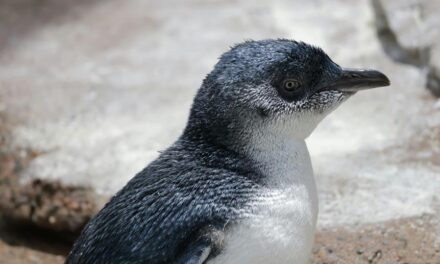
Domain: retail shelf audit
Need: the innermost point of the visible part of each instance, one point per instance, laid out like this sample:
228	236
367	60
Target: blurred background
91	90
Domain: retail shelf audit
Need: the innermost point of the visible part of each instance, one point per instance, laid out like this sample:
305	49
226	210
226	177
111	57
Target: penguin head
274	87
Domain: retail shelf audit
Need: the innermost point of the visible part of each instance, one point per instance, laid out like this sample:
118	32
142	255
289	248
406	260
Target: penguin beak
353	80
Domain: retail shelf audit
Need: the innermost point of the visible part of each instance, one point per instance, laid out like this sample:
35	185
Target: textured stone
411	34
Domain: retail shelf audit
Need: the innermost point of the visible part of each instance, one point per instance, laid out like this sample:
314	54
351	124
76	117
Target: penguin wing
151	227
196	254
207	245
167	221
165	214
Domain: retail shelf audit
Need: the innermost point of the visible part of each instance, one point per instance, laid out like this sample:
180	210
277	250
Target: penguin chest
280	229
280	226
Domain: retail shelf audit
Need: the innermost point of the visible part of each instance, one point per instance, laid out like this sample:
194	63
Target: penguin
237	186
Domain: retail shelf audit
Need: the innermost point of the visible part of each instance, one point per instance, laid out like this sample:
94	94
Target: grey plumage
178	208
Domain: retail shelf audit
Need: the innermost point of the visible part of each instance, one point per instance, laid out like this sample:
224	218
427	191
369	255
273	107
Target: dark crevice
27	235
433	81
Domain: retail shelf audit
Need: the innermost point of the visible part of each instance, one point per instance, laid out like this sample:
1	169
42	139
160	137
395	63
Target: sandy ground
406	241
410	241
19	255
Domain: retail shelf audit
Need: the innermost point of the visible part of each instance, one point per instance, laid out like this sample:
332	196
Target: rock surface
90	91
412	34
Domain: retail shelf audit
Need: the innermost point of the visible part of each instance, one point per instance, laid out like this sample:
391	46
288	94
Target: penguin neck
283	159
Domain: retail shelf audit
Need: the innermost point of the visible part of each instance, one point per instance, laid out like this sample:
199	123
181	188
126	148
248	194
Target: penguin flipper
208	244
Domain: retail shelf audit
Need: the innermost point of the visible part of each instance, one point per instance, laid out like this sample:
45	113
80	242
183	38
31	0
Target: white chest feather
281	227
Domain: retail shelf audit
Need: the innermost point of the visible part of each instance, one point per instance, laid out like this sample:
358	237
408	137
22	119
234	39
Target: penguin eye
291	85
290	89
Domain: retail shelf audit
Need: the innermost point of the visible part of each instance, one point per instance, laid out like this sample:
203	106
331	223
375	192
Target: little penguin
237	186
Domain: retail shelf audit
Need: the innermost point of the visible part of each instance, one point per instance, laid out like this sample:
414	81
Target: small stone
400	255
322	254
52	220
